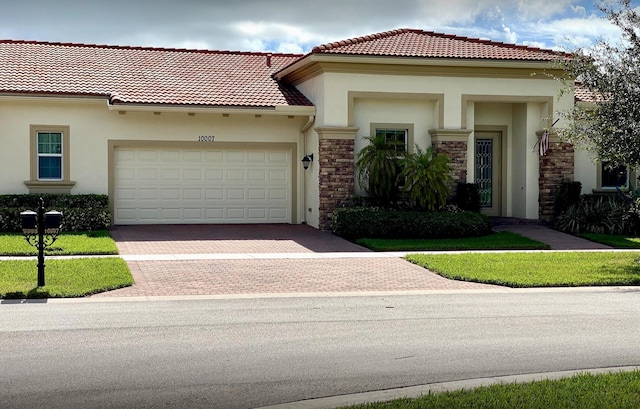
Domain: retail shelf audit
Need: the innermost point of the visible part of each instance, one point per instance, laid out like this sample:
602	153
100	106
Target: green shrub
568	194
468	197
362	222
80	212
600	215
426	177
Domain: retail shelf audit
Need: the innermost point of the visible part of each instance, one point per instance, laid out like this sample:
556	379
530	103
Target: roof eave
277	110
317	58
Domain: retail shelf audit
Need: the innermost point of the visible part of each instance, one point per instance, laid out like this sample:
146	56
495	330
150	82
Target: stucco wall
398	111
429	102
92	124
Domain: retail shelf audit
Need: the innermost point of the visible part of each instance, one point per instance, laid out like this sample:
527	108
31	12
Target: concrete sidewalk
554	238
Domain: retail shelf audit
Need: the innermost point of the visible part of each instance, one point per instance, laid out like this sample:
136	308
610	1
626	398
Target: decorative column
453	143
556	166
337	169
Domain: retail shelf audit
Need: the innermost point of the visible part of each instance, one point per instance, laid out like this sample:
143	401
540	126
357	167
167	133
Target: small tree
427	179
378	167
610	75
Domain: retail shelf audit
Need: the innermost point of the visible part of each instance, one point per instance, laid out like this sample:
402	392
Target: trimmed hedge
366	222
79	212
468	197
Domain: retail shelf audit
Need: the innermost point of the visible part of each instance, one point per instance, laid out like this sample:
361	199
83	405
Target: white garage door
182	186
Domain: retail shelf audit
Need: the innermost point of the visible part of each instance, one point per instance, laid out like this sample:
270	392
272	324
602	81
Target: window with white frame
49	155
612	177
400	137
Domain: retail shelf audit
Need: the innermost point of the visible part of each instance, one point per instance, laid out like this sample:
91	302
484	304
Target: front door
488	170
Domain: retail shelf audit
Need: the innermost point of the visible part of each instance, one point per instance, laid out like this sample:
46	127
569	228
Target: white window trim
408	128
50	155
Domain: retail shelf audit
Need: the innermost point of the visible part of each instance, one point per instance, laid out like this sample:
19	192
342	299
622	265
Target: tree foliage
385	172
378	167
427	179
609	74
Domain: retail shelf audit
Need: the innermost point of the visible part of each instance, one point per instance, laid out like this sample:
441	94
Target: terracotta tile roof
147	75
418	43
582	94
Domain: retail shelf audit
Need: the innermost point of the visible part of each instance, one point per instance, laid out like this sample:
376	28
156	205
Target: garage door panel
257	157
278	157
171	194
192	175
235	175
148	174
214	194
235	194
154	186
256	194
256	175
147	155
192	194
169	175
192	156
237	157
214	175
280	214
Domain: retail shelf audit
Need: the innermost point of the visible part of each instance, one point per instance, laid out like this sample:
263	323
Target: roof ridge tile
147	48
458	47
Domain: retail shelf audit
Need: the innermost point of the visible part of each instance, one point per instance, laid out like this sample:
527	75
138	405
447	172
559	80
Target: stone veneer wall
457	152
337	176
555	167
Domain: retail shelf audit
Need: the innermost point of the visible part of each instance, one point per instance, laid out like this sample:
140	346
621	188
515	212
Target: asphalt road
246	353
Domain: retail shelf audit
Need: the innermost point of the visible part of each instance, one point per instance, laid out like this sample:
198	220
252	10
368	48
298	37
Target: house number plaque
206	138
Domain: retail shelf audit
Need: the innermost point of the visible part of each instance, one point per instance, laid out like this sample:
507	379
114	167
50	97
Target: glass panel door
484	170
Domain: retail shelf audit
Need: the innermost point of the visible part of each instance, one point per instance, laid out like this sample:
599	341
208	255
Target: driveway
261	259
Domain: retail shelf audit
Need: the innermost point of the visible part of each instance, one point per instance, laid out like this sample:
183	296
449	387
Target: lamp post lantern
41	229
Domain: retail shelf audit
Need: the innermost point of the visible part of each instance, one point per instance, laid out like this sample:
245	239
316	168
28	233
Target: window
614	177
399	136
400	133
49	155
49	158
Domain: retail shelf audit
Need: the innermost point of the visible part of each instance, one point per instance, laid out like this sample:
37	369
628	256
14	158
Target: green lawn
615	241
64	278
584	391
497	241
543	269
83	243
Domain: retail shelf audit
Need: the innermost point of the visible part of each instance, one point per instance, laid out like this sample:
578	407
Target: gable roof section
428	44
409	47
137	75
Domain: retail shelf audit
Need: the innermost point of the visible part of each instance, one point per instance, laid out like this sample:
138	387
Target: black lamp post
41	230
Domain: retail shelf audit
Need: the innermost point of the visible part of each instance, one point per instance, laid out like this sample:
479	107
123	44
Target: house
190	136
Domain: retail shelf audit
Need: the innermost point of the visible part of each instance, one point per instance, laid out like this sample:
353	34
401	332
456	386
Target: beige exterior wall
586	171
522	105
92	125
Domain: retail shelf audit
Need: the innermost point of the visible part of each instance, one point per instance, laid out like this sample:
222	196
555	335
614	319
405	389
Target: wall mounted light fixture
307	160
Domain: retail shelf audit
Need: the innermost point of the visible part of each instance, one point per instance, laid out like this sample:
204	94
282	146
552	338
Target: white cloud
287	26
510	36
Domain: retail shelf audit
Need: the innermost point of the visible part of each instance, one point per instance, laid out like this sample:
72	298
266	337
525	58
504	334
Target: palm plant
378	167
427	179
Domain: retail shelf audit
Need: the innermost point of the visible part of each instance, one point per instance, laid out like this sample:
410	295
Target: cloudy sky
297	25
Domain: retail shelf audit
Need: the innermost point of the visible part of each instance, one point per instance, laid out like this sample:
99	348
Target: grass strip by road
615	241
585	391
81	243
63	278
544	269
496	241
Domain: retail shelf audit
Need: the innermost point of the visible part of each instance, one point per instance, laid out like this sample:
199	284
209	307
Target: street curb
420	390
161	298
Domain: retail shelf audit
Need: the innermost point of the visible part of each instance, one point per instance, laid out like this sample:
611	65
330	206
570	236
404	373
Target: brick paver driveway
261	259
